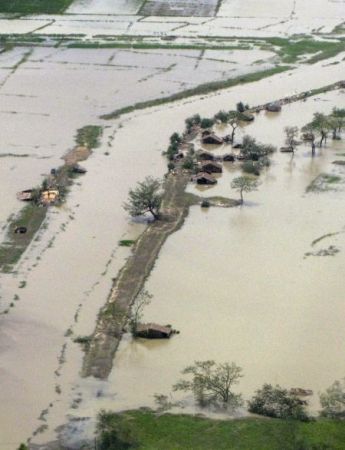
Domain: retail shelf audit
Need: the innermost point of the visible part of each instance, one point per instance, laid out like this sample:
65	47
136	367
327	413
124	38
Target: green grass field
147	431
34	6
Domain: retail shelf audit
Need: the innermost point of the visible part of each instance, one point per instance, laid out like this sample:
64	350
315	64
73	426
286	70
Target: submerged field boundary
113	316
202	89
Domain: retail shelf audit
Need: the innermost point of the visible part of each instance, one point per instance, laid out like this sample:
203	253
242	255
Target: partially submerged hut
212	139
274	107
211	167
205	156
153	331
26	195
205	178
228	157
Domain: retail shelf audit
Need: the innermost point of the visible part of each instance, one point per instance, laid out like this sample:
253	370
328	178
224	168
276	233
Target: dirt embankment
100	353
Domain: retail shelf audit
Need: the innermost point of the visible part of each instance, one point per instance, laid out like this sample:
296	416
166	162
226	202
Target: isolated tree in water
146	197
245	183
212	383
291	134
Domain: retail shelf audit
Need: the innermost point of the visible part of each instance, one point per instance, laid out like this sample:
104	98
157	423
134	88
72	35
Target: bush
206	123
222	116
333	401
188	163
205	204
274	401
171	166
240	107
191	121
251	168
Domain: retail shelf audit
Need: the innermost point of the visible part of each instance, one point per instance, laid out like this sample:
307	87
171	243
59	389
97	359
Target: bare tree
143	299
245	183
212	383
291	134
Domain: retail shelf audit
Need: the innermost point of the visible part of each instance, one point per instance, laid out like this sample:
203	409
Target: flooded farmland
252	284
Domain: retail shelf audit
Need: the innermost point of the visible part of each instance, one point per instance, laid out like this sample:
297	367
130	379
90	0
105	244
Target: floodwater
240	286
68	270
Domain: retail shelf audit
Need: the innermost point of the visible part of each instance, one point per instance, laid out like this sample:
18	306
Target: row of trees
212	384
322	124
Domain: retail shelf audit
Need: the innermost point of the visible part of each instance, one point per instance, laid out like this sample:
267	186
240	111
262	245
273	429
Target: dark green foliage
251	167
153	431
251	147
192	121
240	107
333	401
111	435
146	197
188	163
175	138
172	150
34	6
222	116
126	243
206	123
23	447
171	166
274	401
89	136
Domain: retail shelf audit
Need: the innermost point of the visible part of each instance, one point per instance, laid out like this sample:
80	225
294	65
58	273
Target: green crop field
34	6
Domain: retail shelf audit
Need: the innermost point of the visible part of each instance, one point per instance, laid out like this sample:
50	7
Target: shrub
274	401
206	123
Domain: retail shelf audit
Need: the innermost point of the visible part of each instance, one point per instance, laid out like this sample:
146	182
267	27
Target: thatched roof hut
212	139
274	107
205	178
153	331
228	157
211	167
205	156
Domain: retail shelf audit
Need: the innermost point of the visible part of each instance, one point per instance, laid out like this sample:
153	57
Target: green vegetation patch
34	6
147	431
126	243
291	50
30	217
89	136
199	90
324	182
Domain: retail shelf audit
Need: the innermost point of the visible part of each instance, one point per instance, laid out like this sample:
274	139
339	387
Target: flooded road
68	272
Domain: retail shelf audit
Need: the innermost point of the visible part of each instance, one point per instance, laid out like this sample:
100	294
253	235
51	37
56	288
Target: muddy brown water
77	267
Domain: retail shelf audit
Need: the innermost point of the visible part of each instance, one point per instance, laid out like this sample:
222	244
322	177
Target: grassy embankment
33	215
34	6
145	430
202	89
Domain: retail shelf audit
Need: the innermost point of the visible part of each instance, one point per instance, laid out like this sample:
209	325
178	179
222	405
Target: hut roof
142	327
203	176
212	139
201	154
211	166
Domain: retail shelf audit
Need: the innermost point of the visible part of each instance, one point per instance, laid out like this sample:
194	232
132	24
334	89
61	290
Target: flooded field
269	314
226	18
244	290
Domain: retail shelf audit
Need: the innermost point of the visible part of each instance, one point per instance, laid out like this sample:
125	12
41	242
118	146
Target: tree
333	400
112	433
234	121
291	134
245	183
146	197
222	116
212	383
274	401
206	123
143	299
23	447
319	125
337	121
